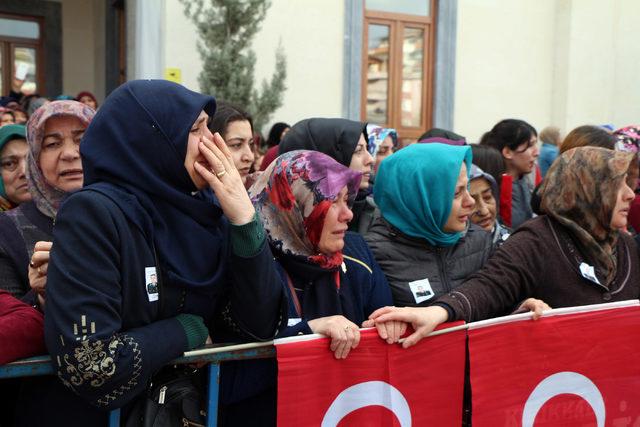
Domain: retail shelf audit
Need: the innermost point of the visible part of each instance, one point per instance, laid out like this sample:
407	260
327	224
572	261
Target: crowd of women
156	225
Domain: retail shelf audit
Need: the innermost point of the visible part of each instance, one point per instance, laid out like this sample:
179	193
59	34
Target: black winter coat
407	261
106	335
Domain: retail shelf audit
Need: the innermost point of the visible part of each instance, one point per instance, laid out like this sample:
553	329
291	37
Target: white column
149	39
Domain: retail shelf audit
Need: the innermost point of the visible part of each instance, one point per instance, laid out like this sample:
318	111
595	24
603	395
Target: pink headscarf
46	196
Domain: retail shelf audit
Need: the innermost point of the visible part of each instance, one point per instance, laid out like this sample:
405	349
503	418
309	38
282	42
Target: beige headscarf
580	191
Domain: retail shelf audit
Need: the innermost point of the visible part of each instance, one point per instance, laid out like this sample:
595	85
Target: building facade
409	64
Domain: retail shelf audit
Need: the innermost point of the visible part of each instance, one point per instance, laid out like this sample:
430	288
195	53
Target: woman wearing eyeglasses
517	142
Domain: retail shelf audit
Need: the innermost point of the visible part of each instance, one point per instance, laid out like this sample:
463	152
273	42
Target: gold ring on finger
221	174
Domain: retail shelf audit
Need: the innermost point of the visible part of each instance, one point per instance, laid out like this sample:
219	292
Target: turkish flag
570	370
378	384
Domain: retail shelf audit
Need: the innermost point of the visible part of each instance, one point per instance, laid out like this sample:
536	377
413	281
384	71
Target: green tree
226	28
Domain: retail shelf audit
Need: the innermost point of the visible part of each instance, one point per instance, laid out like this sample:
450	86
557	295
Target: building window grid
25	50
407	71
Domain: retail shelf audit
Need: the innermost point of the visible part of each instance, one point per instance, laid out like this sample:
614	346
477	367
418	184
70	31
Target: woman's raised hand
423	320
225	180
38	269
344	334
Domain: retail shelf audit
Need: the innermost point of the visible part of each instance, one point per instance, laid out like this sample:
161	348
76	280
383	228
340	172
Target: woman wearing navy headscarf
146	253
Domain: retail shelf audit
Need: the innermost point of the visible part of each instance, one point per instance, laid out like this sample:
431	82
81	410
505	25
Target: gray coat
407	261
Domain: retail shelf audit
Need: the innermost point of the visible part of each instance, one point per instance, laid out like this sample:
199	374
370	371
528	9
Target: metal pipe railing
211	355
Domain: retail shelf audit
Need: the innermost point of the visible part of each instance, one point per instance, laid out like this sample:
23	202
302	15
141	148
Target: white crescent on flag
564	383
370	393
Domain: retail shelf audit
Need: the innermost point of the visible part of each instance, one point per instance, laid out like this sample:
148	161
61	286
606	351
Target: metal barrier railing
212	356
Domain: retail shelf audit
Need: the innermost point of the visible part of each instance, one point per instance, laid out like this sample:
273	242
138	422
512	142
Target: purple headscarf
440	140
628	139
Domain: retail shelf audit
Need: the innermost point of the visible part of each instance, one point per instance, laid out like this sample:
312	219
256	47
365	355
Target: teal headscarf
9	133
415	188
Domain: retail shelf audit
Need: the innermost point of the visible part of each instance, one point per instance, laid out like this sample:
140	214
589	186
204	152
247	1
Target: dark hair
588	136
258	139
510	133
225	114
275	132
489	160
441	133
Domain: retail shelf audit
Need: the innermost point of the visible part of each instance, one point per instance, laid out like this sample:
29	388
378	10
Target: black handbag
175	395
174	398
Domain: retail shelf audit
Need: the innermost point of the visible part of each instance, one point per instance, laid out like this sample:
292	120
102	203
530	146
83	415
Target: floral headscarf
377	135
292	197
46	196
580	191
628	139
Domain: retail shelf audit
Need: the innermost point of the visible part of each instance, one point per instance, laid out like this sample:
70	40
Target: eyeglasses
11	163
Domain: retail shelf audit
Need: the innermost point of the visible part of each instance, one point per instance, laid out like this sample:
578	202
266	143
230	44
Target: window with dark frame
21	53
397	76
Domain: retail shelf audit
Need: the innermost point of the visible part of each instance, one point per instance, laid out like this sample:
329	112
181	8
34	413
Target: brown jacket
541	260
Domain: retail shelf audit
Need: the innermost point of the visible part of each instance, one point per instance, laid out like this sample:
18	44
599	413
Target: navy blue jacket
363	280
105	335
368	290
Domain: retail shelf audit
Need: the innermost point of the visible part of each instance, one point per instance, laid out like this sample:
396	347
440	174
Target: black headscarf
134	153
275	132
441	133
336	138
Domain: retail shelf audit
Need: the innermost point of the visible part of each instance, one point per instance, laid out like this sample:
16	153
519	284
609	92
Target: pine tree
226	28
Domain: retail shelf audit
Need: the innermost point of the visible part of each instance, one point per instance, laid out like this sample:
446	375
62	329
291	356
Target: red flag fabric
376	385
538	176
506	198
569	370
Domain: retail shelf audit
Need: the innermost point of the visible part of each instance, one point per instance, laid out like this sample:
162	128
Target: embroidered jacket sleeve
95	354
21	330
